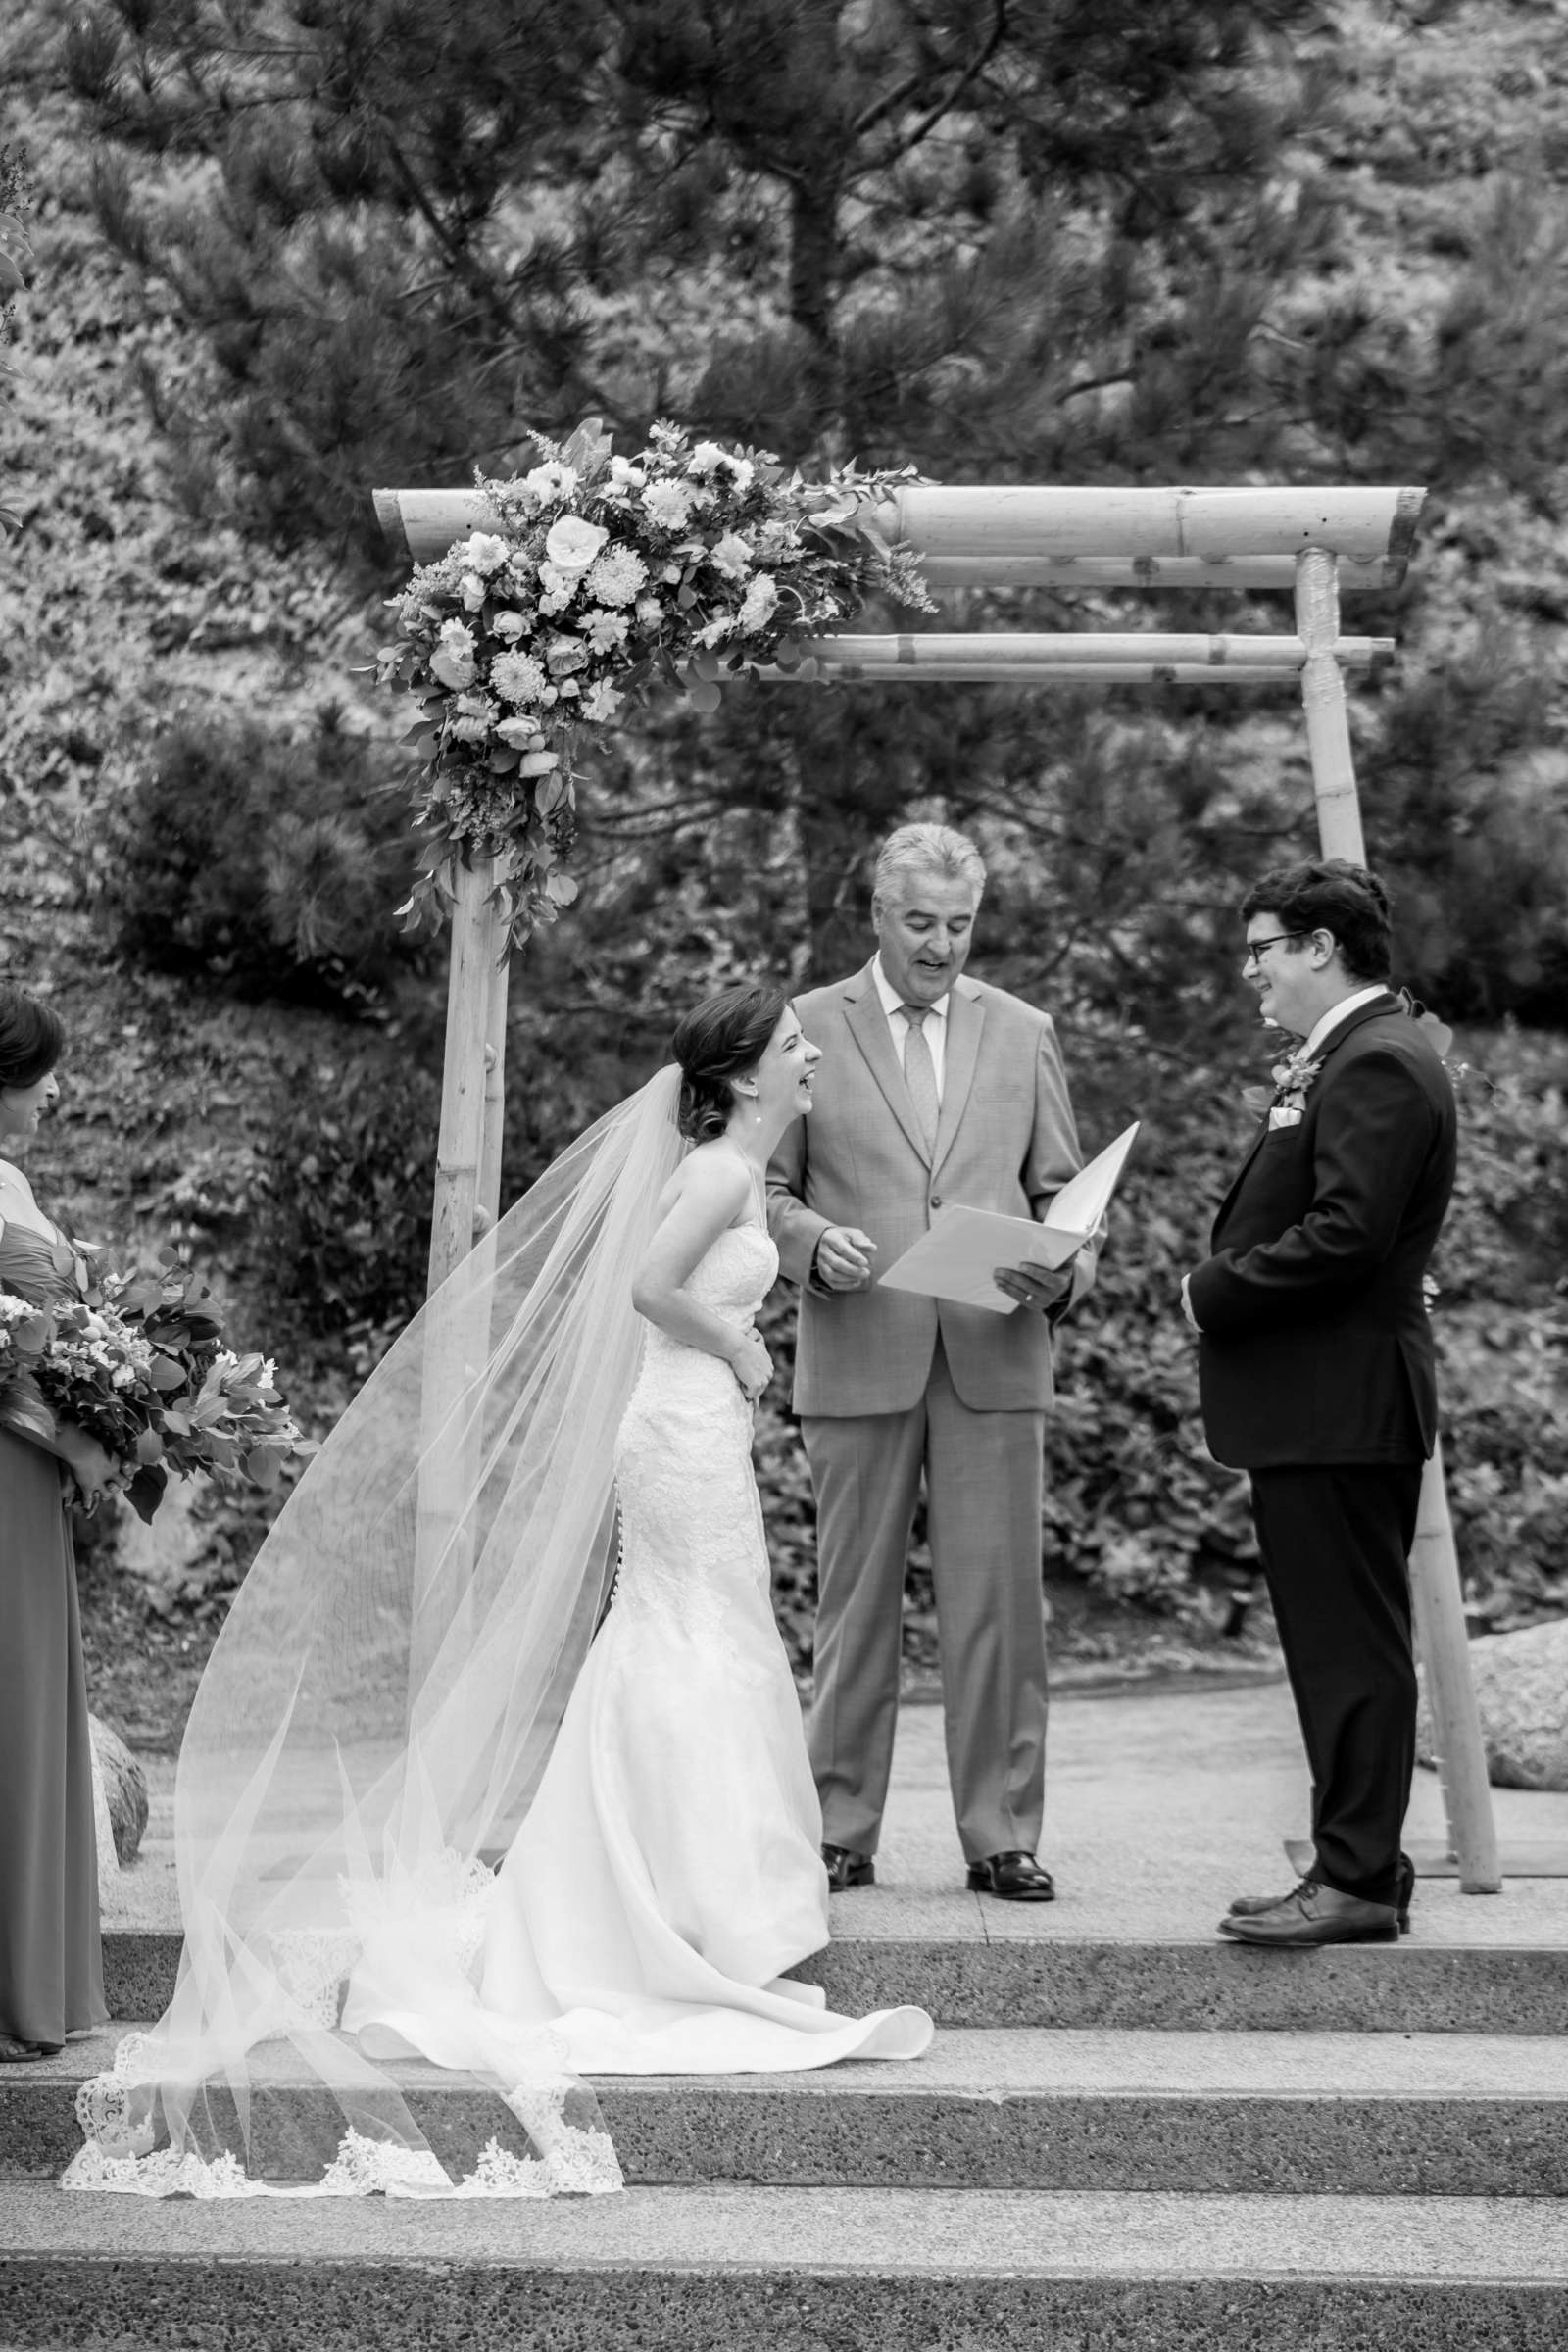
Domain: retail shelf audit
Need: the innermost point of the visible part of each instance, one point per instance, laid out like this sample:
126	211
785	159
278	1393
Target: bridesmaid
51	1968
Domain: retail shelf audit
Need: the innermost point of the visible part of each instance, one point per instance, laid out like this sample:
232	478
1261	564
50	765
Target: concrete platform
1386	2114
799	2270
1160	1807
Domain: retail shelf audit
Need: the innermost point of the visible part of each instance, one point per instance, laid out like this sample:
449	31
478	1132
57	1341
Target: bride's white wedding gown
668	1869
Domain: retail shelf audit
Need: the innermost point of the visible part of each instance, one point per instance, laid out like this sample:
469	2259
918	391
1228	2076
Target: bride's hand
751	1364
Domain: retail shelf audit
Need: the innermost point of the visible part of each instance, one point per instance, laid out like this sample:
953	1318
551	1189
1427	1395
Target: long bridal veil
373	1722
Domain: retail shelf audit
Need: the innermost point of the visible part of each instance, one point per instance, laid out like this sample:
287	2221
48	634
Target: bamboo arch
1318	544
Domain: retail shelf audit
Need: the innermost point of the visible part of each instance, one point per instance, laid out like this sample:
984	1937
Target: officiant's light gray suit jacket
1005	1141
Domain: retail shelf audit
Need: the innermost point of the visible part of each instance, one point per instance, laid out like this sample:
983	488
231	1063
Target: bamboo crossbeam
1010	535
970	533
1138	654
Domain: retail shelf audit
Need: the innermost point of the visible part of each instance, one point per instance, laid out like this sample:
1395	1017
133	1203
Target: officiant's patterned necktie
920	1073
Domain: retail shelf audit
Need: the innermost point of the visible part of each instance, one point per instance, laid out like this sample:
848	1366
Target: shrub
344	1238
271	863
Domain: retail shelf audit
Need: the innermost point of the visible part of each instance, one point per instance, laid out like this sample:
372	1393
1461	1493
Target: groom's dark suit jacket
1316	1344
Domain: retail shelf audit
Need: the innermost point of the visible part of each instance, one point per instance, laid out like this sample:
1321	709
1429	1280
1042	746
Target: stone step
1220	2113
712	2270
1007	1975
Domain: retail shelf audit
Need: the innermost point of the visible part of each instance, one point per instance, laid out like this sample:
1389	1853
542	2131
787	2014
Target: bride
410	1688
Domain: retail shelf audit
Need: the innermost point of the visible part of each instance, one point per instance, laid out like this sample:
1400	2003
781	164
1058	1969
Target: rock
124	1786
1522	1691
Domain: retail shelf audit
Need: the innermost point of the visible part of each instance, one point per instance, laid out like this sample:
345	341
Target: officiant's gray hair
927	849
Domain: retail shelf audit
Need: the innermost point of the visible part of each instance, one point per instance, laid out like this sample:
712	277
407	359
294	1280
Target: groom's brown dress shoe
1017	1878
1314	1915
847	1868
1248	1906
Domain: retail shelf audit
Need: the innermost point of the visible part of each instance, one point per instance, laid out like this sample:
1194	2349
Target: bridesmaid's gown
51	1967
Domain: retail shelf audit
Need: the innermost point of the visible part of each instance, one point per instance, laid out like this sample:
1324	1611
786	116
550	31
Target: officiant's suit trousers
983	1479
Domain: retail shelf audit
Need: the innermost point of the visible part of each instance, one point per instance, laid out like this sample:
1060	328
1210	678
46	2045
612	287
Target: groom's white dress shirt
1324	1028
935	1024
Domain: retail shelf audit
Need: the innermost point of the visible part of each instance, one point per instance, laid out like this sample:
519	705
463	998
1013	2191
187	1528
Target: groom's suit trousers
1334	1540
983	1476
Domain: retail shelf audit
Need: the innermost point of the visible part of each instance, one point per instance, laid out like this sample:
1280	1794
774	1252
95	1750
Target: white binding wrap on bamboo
1436	1590
1012	536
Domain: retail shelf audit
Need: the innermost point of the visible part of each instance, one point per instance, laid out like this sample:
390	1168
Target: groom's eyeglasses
1256	947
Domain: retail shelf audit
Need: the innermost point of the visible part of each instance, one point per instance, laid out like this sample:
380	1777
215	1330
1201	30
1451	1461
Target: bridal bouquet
140	1365
603	577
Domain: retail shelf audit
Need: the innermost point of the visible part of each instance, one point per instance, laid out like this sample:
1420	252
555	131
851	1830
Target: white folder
958	1256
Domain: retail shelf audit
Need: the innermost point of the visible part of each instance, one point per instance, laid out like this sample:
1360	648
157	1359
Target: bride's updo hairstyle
30	1039
720	1040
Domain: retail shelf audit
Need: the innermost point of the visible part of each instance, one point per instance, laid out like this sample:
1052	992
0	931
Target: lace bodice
692	1541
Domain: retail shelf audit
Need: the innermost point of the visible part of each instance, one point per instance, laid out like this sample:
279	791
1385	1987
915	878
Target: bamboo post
487	1203
1436	1591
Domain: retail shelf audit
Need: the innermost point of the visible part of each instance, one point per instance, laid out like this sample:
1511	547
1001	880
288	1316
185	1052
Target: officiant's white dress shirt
935	1024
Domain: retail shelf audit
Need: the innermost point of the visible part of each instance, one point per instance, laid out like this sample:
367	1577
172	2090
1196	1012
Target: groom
1317	1371
932	1088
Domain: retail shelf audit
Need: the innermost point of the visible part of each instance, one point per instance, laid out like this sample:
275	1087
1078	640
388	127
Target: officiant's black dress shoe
1314	1915
1017	1878
1248	1906
847	1868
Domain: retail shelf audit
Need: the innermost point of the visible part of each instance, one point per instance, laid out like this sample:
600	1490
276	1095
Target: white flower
572	544
552	482
602	703
484	552
625	476
122	1376
517	677
508	627
472	590
705	458
557	589
731	556
605	631
616	576
718	629
668	503
650	611
472	717
523	733
453	660
759	603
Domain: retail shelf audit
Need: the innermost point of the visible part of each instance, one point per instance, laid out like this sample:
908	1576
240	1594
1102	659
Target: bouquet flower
140	1365
604	577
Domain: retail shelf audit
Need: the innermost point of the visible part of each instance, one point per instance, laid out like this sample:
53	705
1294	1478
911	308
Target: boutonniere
1284	1104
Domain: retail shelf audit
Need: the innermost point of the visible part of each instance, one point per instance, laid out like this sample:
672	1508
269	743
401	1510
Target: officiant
933	1088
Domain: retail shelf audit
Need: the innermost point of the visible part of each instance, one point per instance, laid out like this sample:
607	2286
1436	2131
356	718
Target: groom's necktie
920	1073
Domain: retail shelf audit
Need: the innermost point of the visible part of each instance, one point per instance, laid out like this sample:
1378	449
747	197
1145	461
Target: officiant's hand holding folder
959	1256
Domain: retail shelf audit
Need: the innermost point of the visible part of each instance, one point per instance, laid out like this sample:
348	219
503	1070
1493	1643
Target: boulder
1521	1684
125	1786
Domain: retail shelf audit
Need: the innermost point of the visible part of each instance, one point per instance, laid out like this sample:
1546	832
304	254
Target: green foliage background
285	254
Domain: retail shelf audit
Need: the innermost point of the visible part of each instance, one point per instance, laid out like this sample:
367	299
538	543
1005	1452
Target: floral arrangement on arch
604	577
140	1364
